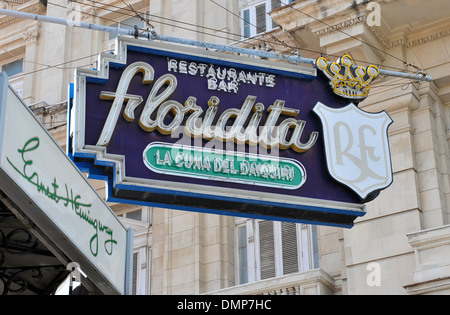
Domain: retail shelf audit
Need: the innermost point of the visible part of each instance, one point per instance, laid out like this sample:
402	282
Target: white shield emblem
357	147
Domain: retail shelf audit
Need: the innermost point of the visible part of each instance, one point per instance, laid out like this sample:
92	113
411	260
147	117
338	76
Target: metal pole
260	53
43	18
411	76
154	36
293	59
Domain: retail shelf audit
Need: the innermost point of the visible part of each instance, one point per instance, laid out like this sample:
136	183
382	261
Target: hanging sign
52	193
196	130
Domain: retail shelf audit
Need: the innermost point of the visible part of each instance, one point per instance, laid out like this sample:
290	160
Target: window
13	68
135	215
135	273
129	24
139	219
255	18
141	273
267	249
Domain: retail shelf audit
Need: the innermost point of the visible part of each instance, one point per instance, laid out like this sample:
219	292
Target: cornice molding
33	7
403	40
407	39
340	26
386	37
428	38
380	35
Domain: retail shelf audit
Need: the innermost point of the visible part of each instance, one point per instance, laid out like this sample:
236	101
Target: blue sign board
191	129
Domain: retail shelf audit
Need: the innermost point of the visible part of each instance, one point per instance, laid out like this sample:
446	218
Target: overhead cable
154	36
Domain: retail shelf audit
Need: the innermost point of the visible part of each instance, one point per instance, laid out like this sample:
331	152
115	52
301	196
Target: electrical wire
172	21
278	41
93	15
256	27
294	49
114	8
46	65
129	15
137	14
405	63
58	66
321	53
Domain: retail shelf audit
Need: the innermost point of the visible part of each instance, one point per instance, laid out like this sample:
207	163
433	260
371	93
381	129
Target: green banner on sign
180	160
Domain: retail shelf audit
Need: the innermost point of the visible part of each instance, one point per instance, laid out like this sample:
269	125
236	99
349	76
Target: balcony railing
313	282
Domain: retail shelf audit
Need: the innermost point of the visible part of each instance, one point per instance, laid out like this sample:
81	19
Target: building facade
401	246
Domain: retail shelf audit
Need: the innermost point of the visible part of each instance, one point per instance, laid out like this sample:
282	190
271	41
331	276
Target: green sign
52	192
57	199
180	160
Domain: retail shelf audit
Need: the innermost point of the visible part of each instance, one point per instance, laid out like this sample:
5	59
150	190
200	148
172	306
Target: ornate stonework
31	35
4	5
33	7
404	41
340	26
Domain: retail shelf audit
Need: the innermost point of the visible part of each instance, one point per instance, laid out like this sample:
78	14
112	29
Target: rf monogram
342	131
356	147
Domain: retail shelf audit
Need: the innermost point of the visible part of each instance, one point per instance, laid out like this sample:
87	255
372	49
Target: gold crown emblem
346	79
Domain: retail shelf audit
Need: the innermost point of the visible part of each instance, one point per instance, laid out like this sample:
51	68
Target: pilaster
432	154
30	37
